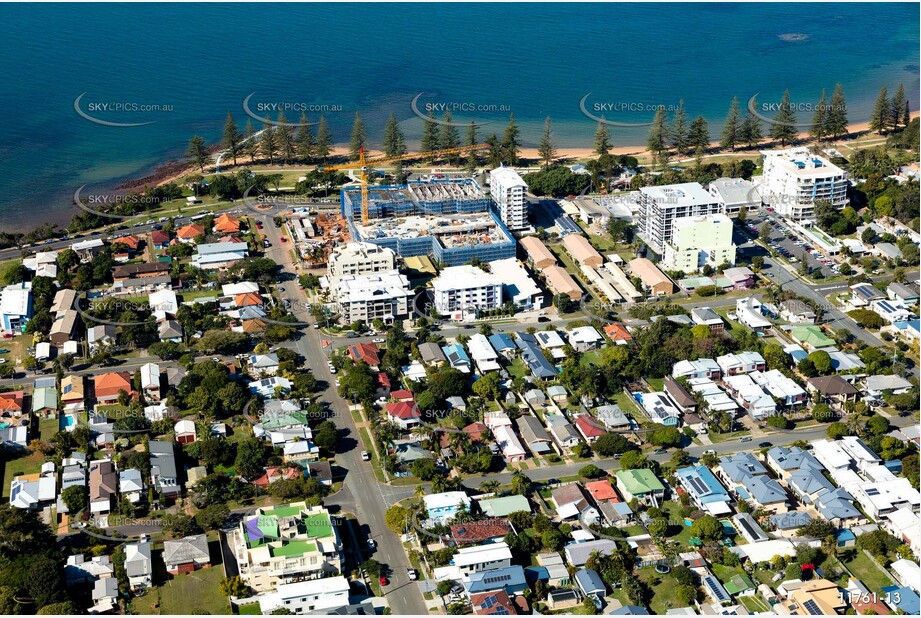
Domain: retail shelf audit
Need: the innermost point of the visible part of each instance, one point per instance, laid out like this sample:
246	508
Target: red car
384	581
283	239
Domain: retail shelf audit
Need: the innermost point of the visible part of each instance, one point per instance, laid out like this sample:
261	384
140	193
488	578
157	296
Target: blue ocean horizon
194	62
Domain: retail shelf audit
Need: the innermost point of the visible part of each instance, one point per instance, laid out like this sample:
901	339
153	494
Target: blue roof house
704	489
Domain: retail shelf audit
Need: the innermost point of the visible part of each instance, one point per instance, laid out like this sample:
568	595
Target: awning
718	508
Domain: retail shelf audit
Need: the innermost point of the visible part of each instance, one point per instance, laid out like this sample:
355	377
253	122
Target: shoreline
174	170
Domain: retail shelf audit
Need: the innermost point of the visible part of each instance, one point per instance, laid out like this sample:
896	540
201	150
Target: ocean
181	67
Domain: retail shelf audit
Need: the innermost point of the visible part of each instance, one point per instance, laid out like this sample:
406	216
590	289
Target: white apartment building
698	241
795	179
660	206
508	190
308	596
286	544
462	292
385	295
359	258
734	193
517	285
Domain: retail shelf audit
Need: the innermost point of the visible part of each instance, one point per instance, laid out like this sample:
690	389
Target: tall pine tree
285	142
324	139
699	134
359	138
449	138
250	143
657	142
732	128
429	140
232	137
680	129
305	139
394	141
545	149
879	118
820	123
268	142
898	105
602	139
470	139
783	127
751	127
510	144
837	113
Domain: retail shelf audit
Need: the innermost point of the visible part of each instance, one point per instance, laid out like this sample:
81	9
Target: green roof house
811	336
504	506
45	401
641	484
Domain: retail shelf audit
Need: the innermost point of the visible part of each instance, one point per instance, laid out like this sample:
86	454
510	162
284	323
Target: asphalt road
361	494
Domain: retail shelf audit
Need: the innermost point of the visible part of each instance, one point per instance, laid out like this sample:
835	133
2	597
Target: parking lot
791	247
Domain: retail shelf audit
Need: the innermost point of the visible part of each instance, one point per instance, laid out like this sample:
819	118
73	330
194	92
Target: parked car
384	581
371	544
764	445
411	574
745	439
365	456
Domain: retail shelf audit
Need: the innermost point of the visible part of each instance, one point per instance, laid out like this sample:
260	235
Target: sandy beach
174	171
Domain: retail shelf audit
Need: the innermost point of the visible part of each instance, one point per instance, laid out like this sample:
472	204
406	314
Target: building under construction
450	220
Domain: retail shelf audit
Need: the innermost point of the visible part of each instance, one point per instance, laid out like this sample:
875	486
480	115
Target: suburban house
163	472
139	565
187	554
708	317
590	428
508	443
641	484
748	479
131	485
618	334
797	312
72	393
150	381
431	354
103	485
404	414
442	507
834	390
107	386
704	489
534	435
367	353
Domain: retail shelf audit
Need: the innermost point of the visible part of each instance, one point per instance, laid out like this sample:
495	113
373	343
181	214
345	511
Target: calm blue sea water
533	59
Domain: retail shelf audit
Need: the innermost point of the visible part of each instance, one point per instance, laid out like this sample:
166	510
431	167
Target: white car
379	340
365	456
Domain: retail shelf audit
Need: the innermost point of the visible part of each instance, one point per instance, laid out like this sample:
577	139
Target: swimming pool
68	422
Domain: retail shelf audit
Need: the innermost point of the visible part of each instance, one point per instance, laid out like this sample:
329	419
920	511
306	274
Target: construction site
315	235
449	220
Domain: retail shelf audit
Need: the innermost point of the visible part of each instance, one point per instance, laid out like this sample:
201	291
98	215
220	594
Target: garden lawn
865	570
184	594
663	598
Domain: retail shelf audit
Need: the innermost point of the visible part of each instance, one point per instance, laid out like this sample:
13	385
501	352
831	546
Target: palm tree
489	487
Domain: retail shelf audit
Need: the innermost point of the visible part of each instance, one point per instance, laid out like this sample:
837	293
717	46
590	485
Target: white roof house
483	557
219	254
742	362
700	368
584	338
30	494
517	285
751	396
779	386
306	597
150	376
482	353
908	573
715	397
748	312
243	287
163	303
508	442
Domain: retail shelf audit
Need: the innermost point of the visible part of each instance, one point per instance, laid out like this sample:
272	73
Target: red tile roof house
367	353
277	474
248	299
589	427
109	385
476	431
493	603
404	414
159	239
383	384
11	403
402	395
602	490
476	532
618	333
189	233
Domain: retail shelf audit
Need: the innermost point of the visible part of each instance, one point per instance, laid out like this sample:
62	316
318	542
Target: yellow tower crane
363	165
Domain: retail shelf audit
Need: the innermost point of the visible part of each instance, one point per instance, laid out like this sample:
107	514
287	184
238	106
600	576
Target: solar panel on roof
716	589
488	602
813	608
699	486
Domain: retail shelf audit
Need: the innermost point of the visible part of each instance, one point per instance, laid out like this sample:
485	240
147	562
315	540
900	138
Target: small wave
793	37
